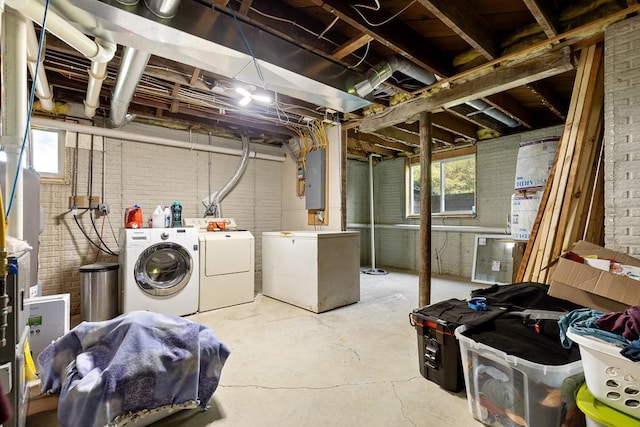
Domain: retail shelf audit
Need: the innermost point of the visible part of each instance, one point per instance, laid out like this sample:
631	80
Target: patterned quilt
113	371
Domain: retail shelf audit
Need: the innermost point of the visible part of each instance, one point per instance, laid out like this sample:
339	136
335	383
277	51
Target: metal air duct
130	72
385	69
215	41
132	66
490	111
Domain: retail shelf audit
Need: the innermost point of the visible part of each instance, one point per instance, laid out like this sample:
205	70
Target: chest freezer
314	270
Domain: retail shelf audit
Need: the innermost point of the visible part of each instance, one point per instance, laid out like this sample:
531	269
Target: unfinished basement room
305	213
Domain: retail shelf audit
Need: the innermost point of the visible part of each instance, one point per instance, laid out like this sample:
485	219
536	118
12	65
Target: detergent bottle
133	217
176	214
167	217
158	218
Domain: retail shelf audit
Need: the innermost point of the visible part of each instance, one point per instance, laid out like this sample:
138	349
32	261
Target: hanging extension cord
75	218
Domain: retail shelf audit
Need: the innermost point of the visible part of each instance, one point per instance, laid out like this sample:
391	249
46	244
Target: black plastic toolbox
438	348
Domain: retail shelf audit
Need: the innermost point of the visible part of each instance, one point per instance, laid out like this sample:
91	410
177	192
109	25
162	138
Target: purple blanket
110	371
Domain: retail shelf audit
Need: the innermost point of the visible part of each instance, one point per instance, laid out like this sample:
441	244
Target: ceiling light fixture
247	96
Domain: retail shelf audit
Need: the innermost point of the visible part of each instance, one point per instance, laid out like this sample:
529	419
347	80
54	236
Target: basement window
48	152
48	155
453	184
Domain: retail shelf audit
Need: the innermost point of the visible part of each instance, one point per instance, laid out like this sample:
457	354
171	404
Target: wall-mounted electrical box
315	179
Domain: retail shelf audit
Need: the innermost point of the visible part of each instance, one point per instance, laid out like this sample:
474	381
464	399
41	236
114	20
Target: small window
453	185
48	152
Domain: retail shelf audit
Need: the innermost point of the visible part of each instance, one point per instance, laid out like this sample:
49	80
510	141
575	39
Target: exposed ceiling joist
393	35
291	24
244	7
374	139
449	122
194	77
366	147
546	16
511	108
410	134
351	46
503	78
464	20
549	98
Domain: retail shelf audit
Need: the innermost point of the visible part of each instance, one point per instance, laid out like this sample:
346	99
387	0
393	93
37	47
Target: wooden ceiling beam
394	35
511	108
282	20
410	134
591	31
549	98
244	7
451	123
369	148
464	20
501	79
351	46
374	139
187	114
175	103
194	77
546	16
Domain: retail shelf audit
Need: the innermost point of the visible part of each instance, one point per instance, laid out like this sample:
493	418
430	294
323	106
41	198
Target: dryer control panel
211	223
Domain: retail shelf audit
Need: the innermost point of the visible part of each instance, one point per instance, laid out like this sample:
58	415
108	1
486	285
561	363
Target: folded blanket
114	370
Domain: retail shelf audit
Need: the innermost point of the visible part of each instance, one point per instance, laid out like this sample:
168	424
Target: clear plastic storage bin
505	390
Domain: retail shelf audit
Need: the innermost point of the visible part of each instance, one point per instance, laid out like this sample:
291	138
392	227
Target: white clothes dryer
160	270
227	263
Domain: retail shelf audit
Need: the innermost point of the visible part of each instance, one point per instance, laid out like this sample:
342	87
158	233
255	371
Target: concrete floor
352	366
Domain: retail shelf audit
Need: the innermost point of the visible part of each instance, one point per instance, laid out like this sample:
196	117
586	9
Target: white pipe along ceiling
98	51
43	91
130	136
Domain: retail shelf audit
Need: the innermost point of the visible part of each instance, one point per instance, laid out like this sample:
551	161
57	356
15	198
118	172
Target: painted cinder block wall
451	251
622	136
148	175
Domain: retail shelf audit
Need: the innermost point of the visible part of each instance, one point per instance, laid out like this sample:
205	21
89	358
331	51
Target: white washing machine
159	268
227	265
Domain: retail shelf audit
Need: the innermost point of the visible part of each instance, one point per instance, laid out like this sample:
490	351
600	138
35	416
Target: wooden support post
343	177
424	292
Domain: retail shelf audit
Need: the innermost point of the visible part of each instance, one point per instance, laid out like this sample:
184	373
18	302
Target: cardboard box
592	287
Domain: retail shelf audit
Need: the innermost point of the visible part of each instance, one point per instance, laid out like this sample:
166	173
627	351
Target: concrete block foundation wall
622	136
397	237
148	175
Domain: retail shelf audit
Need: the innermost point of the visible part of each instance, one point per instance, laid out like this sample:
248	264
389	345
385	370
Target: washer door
163	269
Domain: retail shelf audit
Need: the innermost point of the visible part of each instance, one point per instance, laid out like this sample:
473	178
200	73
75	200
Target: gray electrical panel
315	179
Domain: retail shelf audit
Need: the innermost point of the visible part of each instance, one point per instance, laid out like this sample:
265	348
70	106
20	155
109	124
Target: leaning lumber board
589	56
582	165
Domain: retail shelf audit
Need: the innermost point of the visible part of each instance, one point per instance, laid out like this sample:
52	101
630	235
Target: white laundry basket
612	378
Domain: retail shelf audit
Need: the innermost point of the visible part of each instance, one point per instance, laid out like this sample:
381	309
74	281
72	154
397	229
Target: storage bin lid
99	266
600	412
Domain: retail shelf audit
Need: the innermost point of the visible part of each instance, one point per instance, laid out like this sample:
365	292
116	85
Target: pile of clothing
621	329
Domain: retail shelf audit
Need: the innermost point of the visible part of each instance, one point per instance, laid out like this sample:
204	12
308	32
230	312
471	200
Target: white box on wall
524	209
534	162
